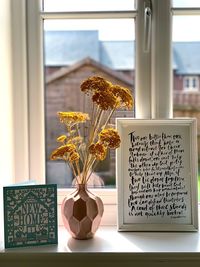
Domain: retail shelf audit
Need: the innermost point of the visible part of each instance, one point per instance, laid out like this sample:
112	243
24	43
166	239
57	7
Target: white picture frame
156	169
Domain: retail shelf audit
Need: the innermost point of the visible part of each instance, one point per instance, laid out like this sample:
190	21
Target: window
186	63
75	49
190	83
88	5
67	31
152	88
153	76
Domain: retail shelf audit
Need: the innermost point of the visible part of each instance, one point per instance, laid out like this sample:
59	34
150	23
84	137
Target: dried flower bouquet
83	153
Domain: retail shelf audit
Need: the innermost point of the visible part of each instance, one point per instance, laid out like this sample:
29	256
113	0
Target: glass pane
187	82
74	51
194	82
186	70
186	3
88	5
191	32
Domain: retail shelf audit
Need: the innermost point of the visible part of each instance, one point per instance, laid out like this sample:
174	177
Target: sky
185	28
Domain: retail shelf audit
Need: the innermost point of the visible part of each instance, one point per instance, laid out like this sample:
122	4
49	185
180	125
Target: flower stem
78	169
110	115
92	169
74	172
94	126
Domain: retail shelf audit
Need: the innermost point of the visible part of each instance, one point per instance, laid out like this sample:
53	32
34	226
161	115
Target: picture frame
156	169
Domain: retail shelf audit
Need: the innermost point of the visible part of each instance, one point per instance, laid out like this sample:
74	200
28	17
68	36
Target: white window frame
153	81
190	88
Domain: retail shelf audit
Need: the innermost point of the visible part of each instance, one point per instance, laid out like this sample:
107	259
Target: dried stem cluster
84	153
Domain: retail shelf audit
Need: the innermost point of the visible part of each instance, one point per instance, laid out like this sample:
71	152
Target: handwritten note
157	187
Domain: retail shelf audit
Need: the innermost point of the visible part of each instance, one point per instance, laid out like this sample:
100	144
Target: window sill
108	240
191	90
110	247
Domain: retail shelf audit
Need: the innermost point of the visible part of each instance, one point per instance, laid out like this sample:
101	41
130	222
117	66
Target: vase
82	212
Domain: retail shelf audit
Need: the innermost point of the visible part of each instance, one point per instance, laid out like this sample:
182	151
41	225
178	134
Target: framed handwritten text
157	175
30	215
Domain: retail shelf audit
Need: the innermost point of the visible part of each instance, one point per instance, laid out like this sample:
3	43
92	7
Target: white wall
6	129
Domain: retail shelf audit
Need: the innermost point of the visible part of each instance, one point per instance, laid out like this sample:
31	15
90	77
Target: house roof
68	47
64	48
87	61
187	57
118	55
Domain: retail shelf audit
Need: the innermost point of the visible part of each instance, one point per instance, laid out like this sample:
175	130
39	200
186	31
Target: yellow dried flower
73	117
60	152
124	96
61	138
105	100
110	138
74	156
95	83
98	150
82	156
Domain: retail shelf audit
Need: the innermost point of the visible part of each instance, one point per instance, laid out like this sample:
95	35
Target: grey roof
187	57
68	47
118	55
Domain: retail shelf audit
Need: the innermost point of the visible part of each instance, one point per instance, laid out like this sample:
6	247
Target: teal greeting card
30	215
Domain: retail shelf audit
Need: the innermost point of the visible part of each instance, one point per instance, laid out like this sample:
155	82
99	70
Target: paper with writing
157	188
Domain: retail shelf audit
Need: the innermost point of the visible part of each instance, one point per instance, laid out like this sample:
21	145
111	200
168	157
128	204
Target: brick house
70	61
186	87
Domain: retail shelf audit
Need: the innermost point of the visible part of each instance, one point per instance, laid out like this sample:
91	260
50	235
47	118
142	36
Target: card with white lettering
157	175
30	215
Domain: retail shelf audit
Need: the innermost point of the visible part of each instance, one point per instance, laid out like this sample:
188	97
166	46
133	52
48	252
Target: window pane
194	82
186	3
88	5
186	68
187	83
74	51
191	32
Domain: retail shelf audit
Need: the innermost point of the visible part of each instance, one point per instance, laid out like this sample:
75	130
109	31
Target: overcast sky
185	28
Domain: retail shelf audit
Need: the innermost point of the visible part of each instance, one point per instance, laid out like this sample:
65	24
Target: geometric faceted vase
82	212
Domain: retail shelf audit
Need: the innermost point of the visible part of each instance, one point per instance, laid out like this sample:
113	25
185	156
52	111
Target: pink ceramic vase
82	212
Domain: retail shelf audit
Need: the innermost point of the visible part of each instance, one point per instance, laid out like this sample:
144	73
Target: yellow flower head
62	151
95	83
124	96
98	151
73	156
110	138
61	138
73	117
105	100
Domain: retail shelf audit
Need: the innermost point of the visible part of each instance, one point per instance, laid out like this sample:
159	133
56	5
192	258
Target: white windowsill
107	240
110	248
